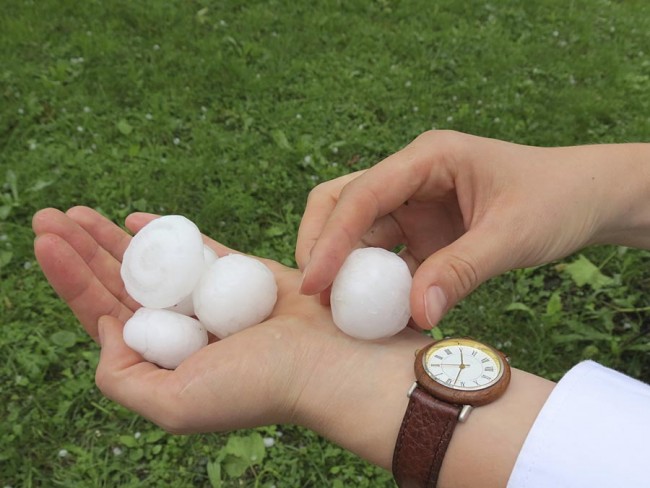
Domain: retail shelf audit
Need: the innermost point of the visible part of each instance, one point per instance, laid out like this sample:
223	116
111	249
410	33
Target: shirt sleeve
593	432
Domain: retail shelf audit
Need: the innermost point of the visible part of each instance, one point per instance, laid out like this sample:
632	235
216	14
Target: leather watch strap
423	439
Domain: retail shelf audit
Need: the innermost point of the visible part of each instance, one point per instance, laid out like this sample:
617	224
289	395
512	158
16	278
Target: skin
320	378
468	208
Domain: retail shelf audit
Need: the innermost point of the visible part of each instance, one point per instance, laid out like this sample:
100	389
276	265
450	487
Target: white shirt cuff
593	432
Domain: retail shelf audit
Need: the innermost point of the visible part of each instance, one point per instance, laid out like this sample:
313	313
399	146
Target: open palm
296	367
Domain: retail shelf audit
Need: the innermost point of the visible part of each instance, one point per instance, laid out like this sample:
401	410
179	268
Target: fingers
453	272
76	283
320	203
105	233
97	240
372	195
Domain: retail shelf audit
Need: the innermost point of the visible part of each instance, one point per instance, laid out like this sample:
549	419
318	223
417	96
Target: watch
453	376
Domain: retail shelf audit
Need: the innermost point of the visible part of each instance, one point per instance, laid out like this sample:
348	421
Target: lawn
229	113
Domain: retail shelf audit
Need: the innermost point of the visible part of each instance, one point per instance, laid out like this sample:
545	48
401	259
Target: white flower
117	451
137	435
63	453
269	441
87	110
408	84
80	129
156	47
176	141
148	116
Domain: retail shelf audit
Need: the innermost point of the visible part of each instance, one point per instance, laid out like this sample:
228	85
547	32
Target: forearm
366	414
621	177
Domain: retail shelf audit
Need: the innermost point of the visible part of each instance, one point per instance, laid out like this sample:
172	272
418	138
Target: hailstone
186	305
163	262
234	293
164	337
370	294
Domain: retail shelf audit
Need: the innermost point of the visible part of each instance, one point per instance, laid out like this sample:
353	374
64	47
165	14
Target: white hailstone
186	306
164	337
370	294
163	262
236	292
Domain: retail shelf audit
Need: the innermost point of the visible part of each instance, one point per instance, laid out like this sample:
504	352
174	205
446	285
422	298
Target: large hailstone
370	294
235	292
163	262
186	306
164	337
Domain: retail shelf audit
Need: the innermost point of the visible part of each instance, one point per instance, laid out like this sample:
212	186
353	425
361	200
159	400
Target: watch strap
423	439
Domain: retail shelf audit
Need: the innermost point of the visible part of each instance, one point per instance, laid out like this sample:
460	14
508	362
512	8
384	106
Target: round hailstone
370	294
163	337
163	262
236	292
186	306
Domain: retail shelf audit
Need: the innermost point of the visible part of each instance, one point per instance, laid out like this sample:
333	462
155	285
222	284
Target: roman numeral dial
463	364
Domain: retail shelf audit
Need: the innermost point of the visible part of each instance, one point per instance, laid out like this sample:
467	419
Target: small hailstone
163	337
186	306
370	294
163	262
234	293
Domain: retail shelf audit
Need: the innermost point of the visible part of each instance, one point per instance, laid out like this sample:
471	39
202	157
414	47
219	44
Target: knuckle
463	274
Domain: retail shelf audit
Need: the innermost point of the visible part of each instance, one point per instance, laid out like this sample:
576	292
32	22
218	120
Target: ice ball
186	306
163	262
370	294
164	337
235	292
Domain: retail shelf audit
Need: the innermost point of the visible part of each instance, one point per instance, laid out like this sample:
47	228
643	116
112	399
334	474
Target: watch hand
458	375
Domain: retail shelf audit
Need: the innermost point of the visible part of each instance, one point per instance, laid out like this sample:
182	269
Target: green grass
229	112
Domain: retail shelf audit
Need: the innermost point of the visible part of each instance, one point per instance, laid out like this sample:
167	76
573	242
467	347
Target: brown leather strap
423	439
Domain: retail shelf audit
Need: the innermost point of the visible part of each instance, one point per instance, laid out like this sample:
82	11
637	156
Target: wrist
362	408
625	186
363	412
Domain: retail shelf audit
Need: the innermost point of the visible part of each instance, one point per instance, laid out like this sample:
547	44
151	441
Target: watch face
463	364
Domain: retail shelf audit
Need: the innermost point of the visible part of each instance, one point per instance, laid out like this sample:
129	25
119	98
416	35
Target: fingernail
304	275
100	330
435	302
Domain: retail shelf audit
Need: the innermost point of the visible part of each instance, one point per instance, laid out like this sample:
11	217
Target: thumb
453	272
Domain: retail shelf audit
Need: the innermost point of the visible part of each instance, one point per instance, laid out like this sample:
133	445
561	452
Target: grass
229	113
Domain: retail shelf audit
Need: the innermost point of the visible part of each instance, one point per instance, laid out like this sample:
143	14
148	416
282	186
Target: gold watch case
462	371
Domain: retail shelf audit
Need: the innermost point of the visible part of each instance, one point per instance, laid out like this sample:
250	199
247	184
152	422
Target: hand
469	208
296	367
